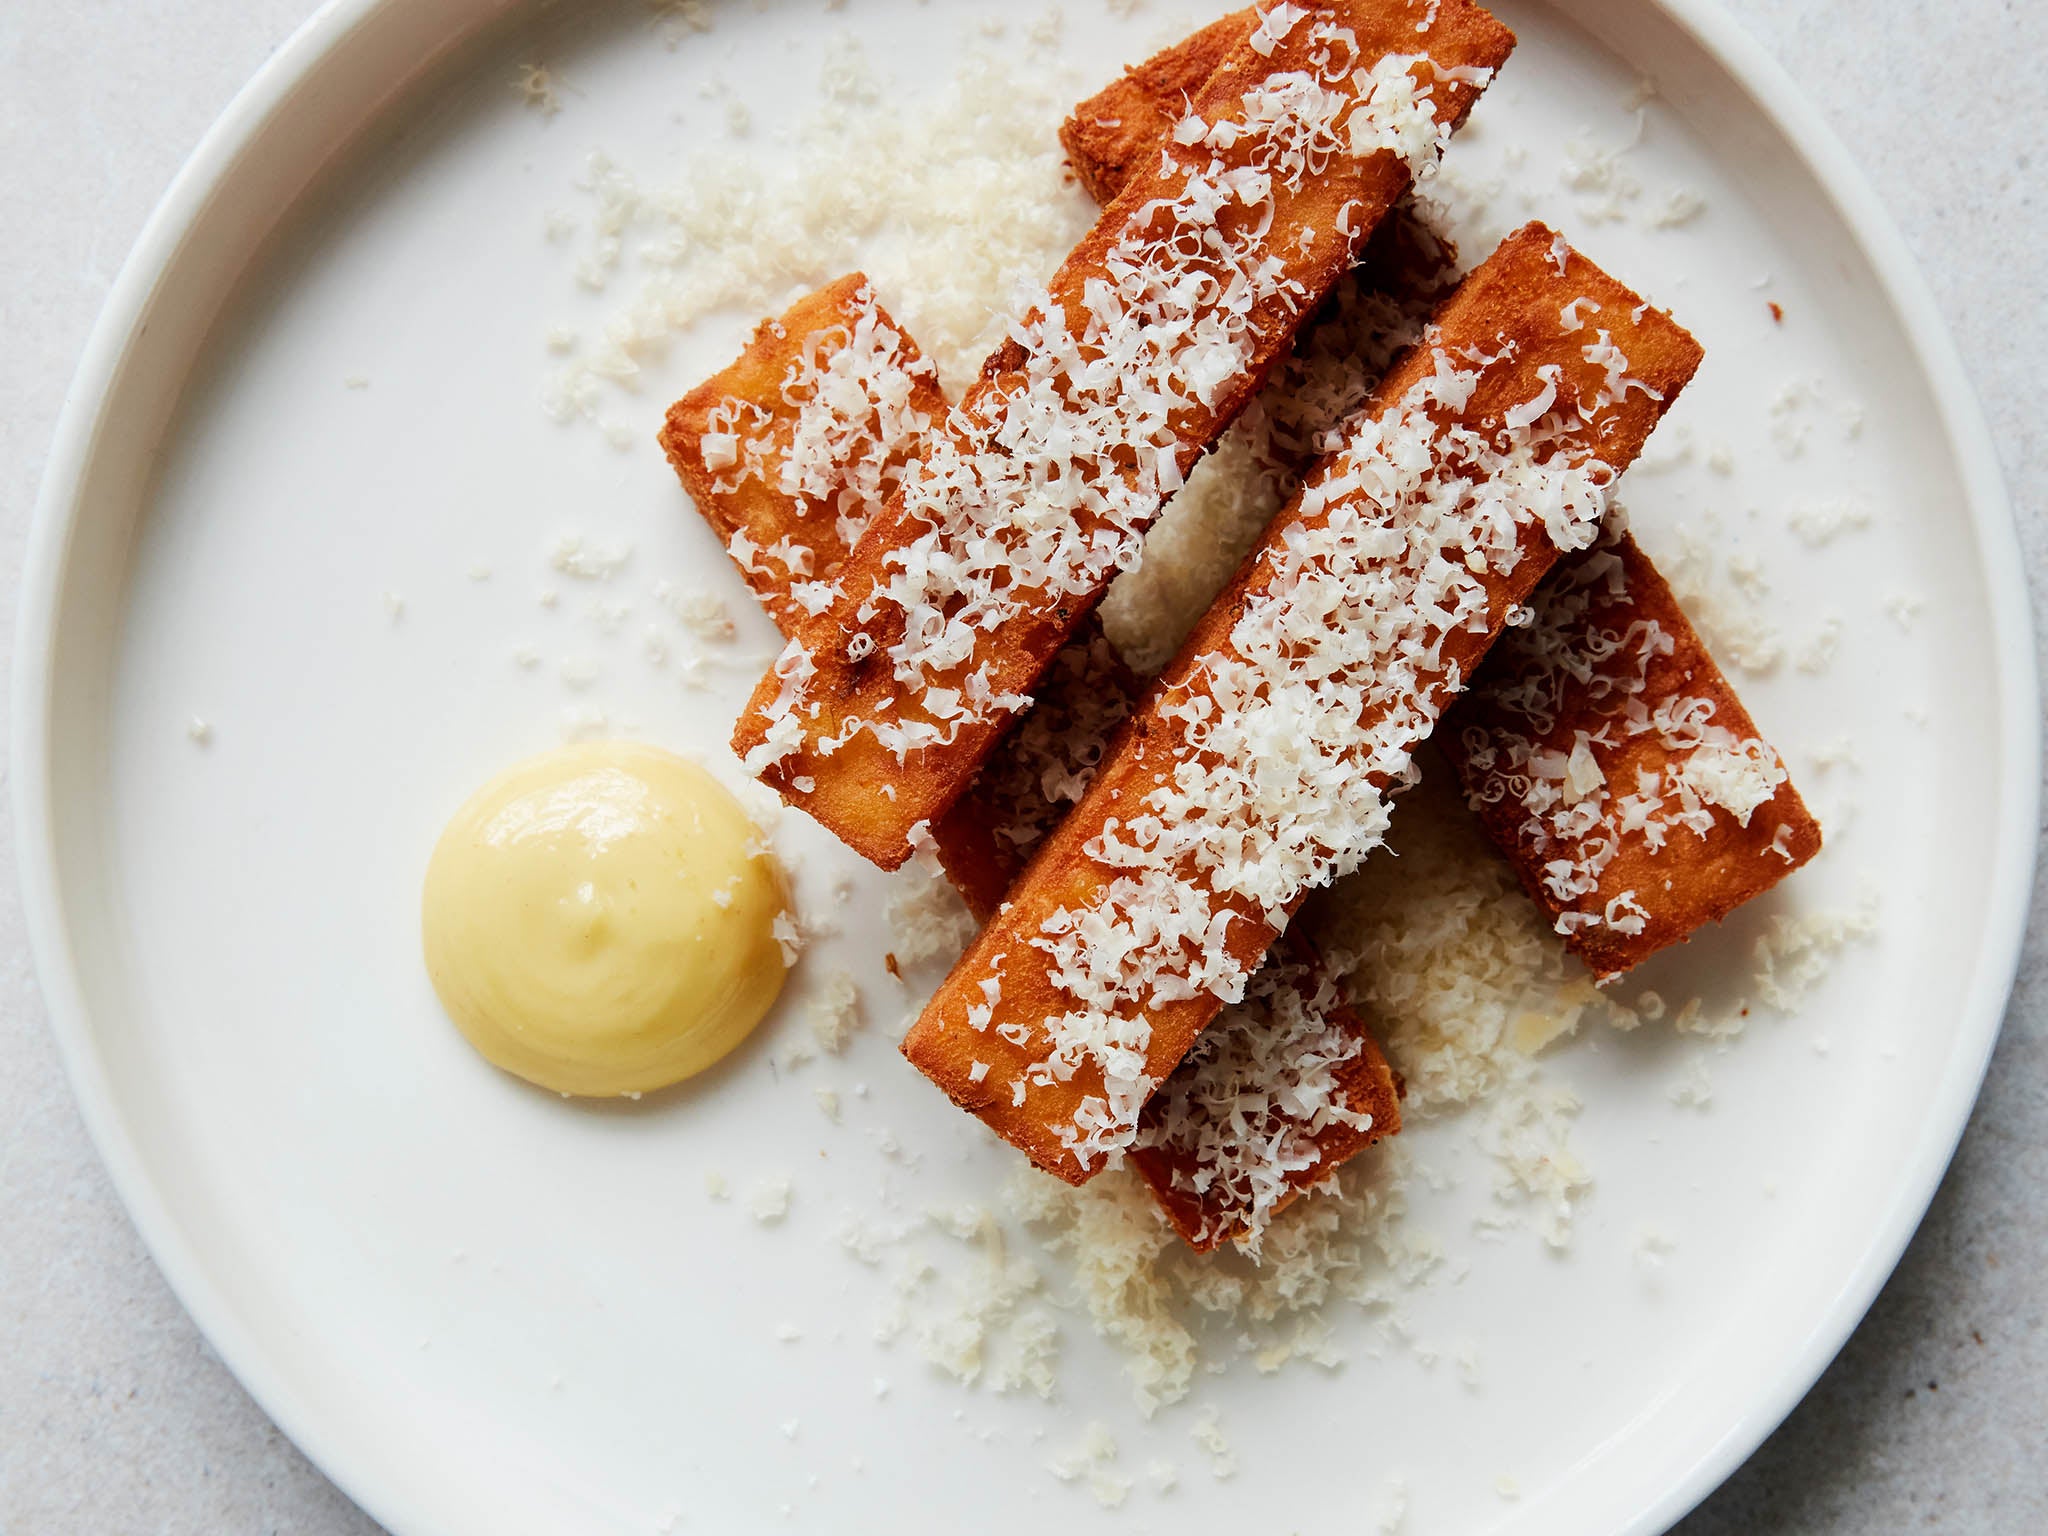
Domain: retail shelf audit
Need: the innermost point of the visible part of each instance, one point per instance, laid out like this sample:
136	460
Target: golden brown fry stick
786	451
1545	687
1609	757
1279	1092
1109	135
1150	339
1256	766
1338	1093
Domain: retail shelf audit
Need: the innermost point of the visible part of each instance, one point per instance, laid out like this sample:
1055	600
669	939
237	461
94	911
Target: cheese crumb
1652	1248
587	561
927	919
536	87
768	1202
1795	951
1391	1512
1092	1462
834	1013
1207	1432
739	230
1819	523
1696	1087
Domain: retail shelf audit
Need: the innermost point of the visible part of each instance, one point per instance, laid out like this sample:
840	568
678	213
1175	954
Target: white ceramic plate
483	1310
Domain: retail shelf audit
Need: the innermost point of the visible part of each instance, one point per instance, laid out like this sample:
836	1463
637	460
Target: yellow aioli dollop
600	920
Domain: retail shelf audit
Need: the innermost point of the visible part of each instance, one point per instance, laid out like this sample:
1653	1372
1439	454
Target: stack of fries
1135	848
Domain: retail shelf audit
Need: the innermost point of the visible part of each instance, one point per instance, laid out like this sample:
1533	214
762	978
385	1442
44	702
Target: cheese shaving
1298	729
1244	1108
1044	483
853	387
1586	641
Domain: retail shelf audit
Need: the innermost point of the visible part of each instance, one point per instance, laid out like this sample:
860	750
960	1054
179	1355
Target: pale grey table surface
115	1416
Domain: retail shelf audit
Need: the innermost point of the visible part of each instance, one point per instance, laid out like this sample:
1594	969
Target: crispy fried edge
1110	132
1697	880
1370	1085
756	377
1517	293
979	865
860	791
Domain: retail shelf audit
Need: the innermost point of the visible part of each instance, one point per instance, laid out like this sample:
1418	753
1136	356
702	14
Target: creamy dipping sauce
599	920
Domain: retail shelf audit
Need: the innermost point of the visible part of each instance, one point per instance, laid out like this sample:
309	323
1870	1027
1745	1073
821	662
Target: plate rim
353	1465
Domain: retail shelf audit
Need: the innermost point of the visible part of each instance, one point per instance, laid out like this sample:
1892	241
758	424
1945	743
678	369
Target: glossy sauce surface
599	920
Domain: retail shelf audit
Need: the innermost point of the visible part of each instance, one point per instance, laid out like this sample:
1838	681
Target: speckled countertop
114	1414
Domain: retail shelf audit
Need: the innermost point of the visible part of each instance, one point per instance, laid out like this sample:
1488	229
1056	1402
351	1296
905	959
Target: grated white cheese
575	557
1904	608
1231	496
1588	640
537	88
970	1304
1244	1108
676	20
1728	620
1444	949
834	1013
1207	1432
1695	1088
1652	1247
927	919
1267	801
1034	497
768	1202
854	387
1821	522
1601	184
1092	1462
1795	951
741	229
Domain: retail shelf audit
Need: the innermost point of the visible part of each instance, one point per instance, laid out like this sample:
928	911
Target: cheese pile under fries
1449	564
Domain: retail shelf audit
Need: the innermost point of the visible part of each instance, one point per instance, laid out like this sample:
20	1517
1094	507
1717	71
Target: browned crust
861	792
978	859
1370	1086
1516	296
1693	880
1108	134
744	504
